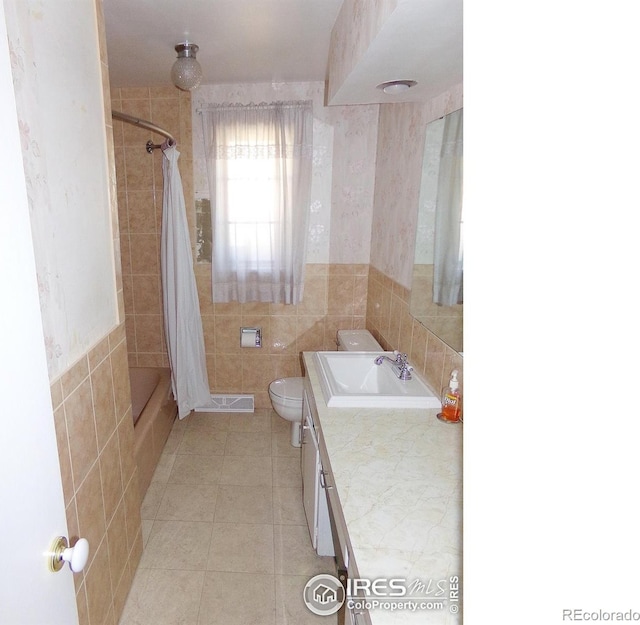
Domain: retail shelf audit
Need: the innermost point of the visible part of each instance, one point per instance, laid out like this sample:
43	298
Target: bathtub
154	411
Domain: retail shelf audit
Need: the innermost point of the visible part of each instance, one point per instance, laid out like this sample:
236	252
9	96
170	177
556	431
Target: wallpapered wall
62	131
401	134
344	146
338	242
356	26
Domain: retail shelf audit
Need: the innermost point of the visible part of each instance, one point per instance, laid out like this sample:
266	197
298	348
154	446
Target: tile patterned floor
226	540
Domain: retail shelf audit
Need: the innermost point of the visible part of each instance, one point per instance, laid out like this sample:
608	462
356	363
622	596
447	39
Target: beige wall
335	293
401	134
139	191
94	428
393	326
339	294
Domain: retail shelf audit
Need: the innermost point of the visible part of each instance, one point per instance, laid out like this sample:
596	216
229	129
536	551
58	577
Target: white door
31	500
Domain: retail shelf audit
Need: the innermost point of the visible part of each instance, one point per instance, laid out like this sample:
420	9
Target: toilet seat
288	389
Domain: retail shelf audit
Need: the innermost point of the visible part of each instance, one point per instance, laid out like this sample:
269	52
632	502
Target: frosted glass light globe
186	72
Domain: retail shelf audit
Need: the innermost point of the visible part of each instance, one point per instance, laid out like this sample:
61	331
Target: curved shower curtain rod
130	119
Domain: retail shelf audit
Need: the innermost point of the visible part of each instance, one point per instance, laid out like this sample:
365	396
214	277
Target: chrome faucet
400	364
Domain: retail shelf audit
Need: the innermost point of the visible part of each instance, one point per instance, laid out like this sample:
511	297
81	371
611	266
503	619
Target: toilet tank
357	341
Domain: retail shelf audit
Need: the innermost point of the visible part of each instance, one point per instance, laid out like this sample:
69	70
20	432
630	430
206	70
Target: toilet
286	393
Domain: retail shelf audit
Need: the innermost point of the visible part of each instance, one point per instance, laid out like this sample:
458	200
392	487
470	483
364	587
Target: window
259	169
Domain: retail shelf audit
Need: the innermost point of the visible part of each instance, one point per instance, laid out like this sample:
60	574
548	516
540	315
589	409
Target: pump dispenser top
453	382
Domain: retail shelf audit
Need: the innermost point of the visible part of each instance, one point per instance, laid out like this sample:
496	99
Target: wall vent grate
229	403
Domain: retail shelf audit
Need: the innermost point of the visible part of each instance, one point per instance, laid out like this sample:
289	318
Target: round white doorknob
76	556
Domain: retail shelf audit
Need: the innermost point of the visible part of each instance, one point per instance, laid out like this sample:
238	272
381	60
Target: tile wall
445	321
139	184
335	297
94	428
335	294
401	135
393	326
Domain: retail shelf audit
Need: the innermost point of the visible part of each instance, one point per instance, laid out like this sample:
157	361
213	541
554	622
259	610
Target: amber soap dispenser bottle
451	401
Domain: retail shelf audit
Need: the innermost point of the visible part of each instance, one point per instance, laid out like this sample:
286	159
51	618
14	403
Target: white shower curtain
182	321
448	250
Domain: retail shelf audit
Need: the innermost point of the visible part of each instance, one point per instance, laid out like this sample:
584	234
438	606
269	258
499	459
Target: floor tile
224	531
247	471
203	441
163	470
196	469
278	423
151	501
162	597
217	420
177	545
146	531
237	599
294	554
241	548
255	422
287	506
248	444
281	444
244	504
188	502
175	438
287	472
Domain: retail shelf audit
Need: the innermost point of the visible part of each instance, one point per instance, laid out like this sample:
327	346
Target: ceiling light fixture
186	72
396	86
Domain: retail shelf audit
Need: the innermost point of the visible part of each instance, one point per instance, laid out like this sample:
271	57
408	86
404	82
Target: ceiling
250	41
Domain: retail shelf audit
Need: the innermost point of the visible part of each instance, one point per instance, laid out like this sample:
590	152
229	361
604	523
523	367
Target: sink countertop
398	475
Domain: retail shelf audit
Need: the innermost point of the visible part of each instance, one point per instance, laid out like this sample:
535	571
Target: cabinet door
310	460
356	614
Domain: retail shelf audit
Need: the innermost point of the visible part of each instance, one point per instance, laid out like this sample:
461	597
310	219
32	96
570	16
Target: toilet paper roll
249	337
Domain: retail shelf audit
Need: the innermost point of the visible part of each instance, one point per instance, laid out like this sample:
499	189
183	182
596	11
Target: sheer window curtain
259	160
448	250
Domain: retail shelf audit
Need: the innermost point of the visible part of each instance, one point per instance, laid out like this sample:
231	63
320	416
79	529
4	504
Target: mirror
439	233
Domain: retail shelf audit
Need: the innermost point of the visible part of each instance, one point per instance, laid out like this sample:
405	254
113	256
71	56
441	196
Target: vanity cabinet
395	473
314	497
320	498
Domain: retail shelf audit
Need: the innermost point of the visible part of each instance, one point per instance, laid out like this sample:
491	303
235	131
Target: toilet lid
287	388
358	341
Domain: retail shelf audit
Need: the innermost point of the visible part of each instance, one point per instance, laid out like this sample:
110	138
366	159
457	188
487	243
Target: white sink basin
352	379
